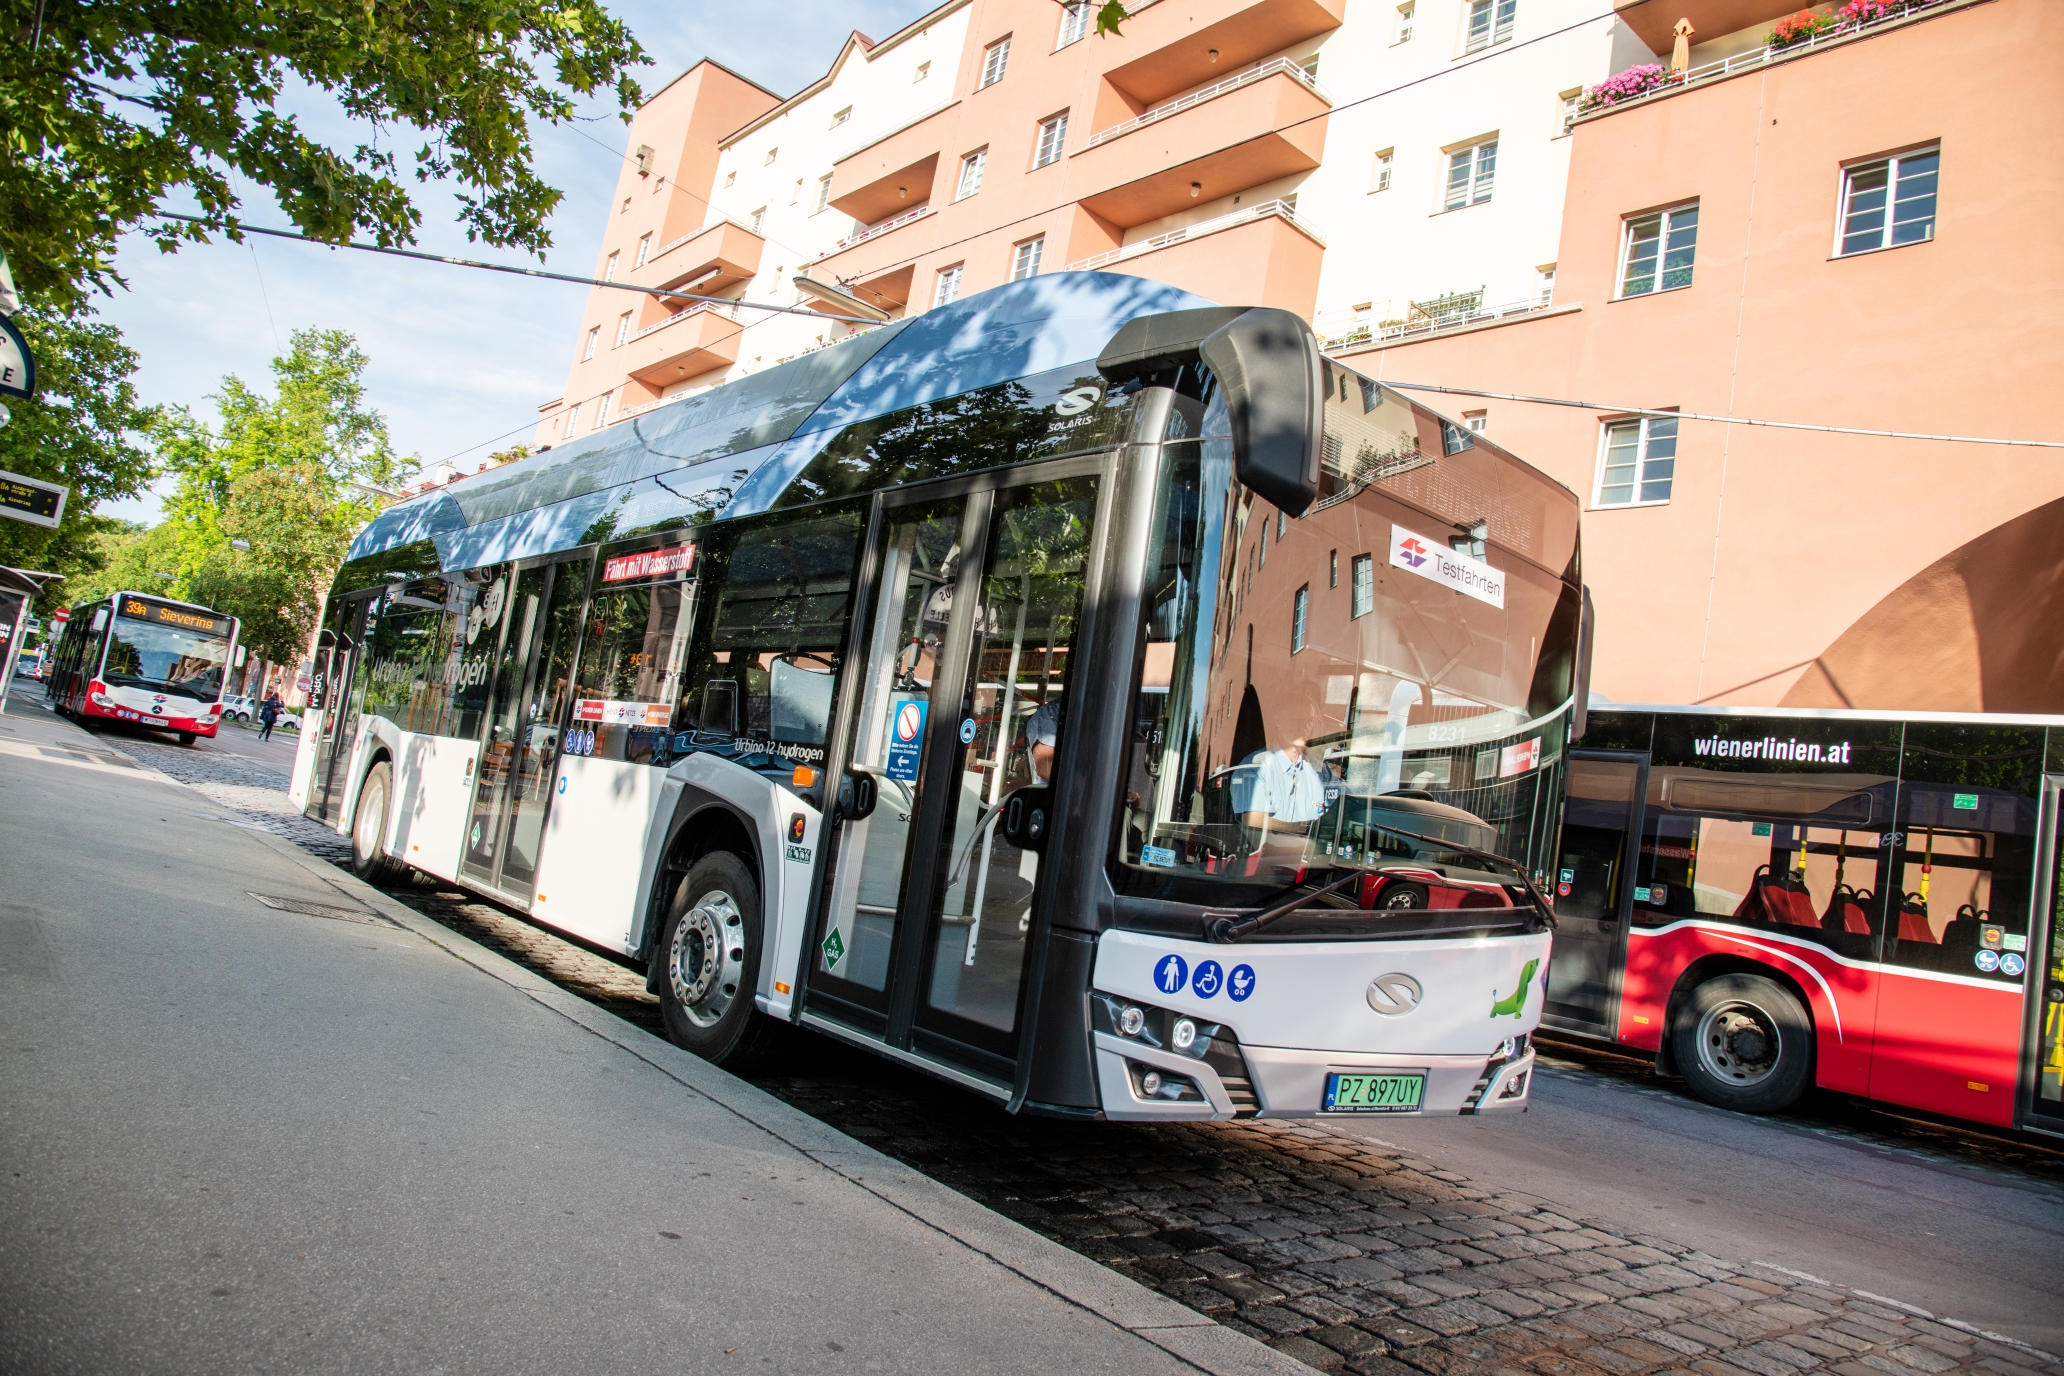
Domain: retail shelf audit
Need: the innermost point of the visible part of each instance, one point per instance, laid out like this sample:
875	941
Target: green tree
288	477
108	110
84	430
129	556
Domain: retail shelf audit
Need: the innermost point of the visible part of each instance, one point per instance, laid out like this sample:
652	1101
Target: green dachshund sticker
1517	1001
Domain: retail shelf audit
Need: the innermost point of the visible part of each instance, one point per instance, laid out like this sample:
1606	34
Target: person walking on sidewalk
268	713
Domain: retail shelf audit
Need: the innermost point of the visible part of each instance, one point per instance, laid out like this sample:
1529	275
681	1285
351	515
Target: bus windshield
1308	692
165	659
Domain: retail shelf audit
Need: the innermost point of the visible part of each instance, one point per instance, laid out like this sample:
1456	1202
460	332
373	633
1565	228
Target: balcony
706	261
1653	20
874	231
1257	256
699	339
1246	130
1179	41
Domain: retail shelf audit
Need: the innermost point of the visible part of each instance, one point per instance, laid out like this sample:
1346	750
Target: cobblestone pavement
1333	1250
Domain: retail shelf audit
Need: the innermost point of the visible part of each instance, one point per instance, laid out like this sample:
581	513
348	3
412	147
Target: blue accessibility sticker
1988	961
1171	974
1240	984
967	731
2011	964
1208	980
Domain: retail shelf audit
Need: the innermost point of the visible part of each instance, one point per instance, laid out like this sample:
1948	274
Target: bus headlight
1185	1034
1131	1020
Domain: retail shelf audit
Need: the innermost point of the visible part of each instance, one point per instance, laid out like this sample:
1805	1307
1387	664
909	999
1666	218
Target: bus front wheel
369	828
709	962
188	737
1743	1042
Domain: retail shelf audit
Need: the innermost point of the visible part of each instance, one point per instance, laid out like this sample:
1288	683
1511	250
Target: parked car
238	706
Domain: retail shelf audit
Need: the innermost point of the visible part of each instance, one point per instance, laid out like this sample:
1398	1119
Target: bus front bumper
1283	1082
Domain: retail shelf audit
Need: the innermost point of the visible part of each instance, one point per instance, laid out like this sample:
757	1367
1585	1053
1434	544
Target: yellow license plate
1373	1093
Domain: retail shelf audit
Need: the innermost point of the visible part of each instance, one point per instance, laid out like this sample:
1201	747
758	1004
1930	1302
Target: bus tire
708	960
1743	1042
1403	897
369	825
188	737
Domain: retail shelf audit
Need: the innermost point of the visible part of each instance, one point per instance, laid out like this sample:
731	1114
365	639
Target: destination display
186	618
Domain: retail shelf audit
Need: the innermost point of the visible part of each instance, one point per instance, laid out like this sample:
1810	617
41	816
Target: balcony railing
881	228
1247	215
723	308
1471	314
670	245
1195	98
1669	83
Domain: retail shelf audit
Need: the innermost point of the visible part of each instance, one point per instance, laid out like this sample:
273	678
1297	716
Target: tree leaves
112	108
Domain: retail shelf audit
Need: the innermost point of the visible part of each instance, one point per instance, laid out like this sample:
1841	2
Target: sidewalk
240	1136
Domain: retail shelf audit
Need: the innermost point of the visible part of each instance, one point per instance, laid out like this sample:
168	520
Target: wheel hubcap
1739	1043
708	959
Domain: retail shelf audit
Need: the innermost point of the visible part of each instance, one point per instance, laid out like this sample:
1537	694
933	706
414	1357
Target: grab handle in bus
1028	818
857	794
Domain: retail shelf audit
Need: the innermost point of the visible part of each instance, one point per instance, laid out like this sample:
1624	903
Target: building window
1470	172
1404	24
1889	202
823	194
841	117
1637	463
625	208
759	217
1658	251
594	339
644	250
602	410
1332	568
1052	134
772	153
1362	593
994	58
730	179
1381	181
609	268
623	329
1477	421
1261	549
797	194
1074	23
1567	105
948	289
573	411
1545	284
1455	439
1300	610
1282	525
924	69
971	173
1490	21
1025	258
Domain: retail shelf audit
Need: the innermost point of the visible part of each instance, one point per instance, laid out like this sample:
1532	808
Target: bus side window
1962	896
719	707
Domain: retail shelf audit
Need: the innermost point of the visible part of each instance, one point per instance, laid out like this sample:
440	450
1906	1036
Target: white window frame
1386	164
1025	256
924	69
609	266
1545	281
995	62
1052	141
1567	104
759	218
972	166
1478	422
1074	23
623	330
731	179
823	194
946	288
1500	17
772	153
644	250
1479	184
594	343
1893	163
572	415
1361	586
1669	224
1300	618
1643	459
841	116
1402	31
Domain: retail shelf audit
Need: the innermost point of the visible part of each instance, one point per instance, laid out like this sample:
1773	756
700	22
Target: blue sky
460	358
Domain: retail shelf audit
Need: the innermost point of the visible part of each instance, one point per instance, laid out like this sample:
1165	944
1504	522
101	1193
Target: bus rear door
978	592
2043	1073
1601	836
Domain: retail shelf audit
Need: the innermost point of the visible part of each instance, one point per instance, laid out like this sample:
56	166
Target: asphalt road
1911	1214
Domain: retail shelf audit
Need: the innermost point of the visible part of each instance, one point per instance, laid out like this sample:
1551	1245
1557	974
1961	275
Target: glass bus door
2045	976
532	682
336	656
1601	830
961	693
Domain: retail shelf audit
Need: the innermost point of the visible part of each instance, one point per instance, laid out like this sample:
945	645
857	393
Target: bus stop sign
17	364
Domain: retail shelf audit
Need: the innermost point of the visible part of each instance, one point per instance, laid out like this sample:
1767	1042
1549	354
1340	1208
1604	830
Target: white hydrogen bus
1086	694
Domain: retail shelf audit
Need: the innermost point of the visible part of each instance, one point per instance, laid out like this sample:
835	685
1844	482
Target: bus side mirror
857	795
100	620
1028	818
239	657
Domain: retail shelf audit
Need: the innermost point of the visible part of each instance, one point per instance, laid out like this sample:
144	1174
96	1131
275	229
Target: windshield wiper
1225	930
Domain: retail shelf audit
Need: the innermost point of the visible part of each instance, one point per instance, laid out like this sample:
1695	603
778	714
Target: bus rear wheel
369	827
708	959
1745	1043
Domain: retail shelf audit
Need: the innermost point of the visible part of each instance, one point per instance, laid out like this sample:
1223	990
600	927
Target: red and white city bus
144	660
1774	900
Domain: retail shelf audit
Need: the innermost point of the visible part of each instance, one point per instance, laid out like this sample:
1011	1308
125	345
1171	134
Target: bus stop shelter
18	589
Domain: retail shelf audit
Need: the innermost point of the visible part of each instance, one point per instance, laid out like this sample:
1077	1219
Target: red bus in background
144	660
1771	901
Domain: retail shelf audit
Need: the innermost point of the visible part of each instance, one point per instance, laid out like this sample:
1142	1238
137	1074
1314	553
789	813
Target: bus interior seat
1848	911
1960	938
1780	899
1913	921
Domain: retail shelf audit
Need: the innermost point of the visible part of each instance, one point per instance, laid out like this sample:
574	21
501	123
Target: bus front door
526	715
961	696
331	692
1601	830
2043	1076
